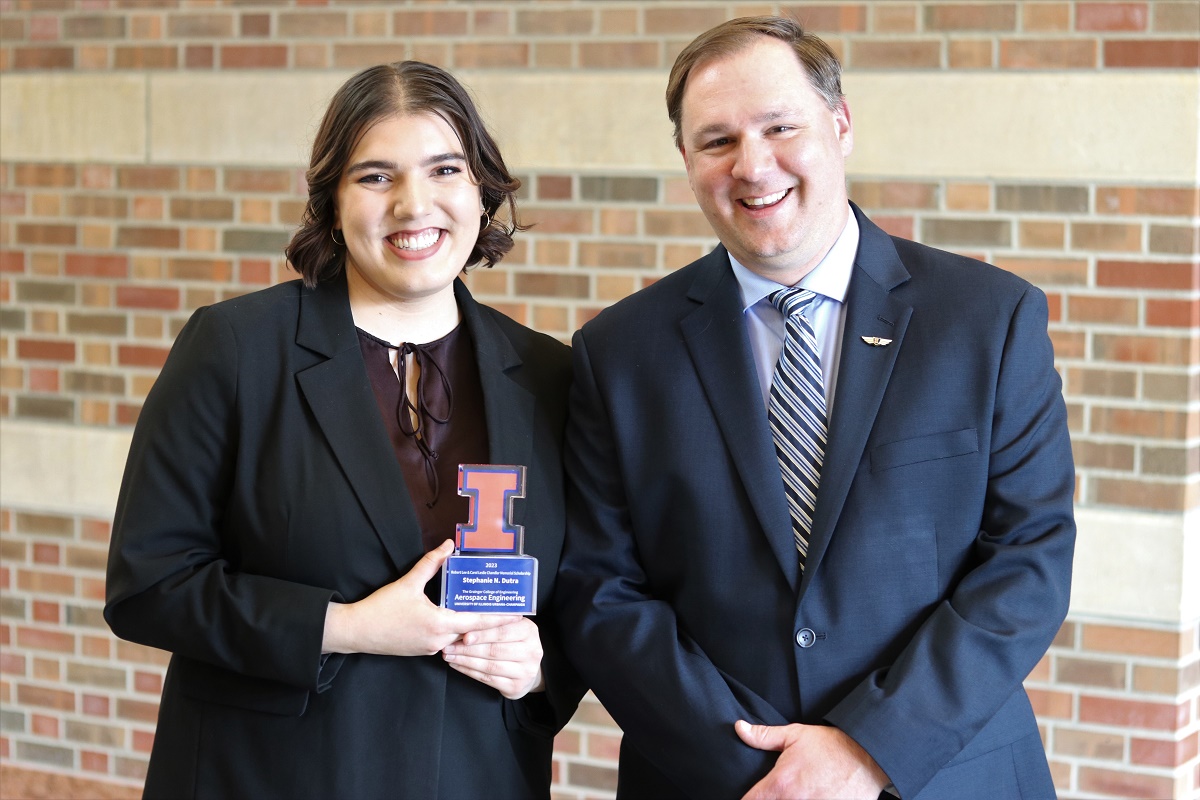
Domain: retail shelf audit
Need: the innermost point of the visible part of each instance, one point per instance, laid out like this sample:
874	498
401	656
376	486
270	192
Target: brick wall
103	258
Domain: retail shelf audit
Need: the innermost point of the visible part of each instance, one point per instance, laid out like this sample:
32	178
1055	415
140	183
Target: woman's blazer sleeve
170	581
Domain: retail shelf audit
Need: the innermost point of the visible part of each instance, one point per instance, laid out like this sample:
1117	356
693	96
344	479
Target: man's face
766	159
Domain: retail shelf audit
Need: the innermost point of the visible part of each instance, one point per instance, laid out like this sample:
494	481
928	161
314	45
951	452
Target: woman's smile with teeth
417	241
768	200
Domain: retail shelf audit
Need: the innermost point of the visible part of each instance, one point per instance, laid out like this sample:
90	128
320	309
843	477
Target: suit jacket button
805	637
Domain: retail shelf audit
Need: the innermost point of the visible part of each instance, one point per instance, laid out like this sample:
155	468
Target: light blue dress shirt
829	280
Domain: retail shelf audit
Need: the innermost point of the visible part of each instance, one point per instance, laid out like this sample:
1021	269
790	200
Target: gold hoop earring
333	235
487	224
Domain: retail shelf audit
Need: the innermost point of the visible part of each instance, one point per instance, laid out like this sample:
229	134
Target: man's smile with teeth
768	200
417	241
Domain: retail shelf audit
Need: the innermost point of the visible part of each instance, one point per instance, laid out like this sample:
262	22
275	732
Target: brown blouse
450	427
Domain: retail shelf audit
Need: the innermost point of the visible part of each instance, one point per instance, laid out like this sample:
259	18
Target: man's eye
715	144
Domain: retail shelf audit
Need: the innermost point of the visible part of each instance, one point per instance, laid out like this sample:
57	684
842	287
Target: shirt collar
830	278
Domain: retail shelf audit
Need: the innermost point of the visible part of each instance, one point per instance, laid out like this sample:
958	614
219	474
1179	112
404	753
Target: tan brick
552	22
1148	679
1158	201
144	57
185	208
43	57
1106	236
365	54
912	54
1089	381
94	675
679	18
1039	235
430	23
1177	462
1091	672
1174	239
619	55
481	55
979	16
1103	455
619	222
955	232
154	178
1049	704
616	254
1102	309
253	56
200	26
558	220
1046	271
683	224
1182	17
1147	423
1045	17
551	285
592	776
1088	744
1048	54
832	18
307	24
895	194
553	253
971	54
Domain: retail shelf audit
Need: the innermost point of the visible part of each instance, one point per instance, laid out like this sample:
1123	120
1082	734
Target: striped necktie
796	412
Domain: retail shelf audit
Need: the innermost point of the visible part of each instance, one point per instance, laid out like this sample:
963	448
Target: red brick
1133	713
558	220
257	180
45	350
160	178
42	639
45	698
1152	53
1120	783
46	175
129	355
43	57
1144	642
199	56
253	56
1162	752
1111	16
35	234
160	297
12	261
97	266
1173	313
95	705
1147	423
1148	274
146	57
1178	351
1156	201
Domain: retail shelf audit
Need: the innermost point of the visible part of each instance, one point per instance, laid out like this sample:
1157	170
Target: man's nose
752	160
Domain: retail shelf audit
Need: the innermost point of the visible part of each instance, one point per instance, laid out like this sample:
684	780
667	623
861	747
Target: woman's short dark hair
405	87
821	65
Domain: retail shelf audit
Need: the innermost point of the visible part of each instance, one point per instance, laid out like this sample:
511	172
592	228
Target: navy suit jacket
260	486
940	557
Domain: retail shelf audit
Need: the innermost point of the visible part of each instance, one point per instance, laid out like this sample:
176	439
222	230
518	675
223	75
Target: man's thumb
762	737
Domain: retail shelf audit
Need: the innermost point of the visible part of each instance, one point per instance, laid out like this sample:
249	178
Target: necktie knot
792	300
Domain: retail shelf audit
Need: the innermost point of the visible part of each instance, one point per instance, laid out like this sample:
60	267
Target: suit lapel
863	373
339	394
716	338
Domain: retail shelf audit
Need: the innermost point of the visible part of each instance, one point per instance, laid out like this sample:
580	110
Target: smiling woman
286	503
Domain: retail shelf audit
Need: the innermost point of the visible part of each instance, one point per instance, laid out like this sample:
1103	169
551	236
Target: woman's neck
415	321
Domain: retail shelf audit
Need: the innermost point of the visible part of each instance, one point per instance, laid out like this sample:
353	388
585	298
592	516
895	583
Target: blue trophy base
490	584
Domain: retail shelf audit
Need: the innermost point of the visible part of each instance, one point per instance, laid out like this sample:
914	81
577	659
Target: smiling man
819	481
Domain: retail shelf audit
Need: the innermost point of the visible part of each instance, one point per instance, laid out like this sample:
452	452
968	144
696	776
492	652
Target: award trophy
489	572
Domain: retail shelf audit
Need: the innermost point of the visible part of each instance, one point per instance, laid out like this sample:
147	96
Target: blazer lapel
715	334
508	406
863	373
339	394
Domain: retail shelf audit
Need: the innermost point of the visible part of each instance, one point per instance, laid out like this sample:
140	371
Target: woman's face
409	209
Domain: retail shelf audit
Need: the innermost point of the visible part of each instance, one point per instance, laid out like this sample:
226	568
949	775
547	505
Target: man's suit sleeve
170	582
979	644
674	706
